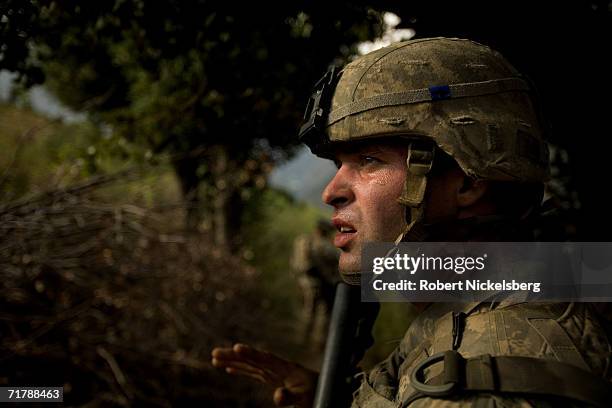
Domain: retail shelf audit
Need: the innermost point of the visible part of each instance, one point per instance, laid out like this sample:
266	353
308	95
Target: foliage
213	84
38	154
118	306
107	295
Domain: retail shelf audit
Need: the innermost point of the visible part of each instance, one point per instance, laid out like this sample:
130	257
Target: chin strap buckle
419	162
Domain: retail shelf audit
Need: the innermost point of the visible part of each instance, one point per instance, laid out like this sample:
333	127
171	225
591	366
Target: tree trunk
186	170
227	203
220	200
224	205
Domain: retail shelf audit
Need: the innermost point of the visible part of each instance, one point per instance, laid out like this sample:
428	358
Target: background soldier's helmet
461	95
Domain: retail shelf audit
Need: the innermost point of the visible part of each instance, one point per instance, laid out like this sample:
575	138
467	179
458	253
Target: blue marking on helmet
440	92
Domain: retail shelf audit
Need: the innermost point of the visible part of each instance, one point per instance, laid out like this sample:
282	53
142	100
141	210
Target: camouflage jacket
575	333
572	333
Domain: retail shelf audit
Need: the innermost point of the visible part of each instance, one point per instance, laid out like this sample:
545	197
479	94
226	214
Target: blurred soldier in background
314	263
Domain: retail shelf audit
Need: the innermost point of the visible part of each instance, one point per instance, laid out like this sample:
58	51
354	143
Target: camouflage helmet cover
462	95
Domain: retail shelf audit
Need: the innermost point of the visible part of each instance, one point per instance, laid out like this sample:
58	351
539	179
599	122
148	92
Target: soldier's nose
338	192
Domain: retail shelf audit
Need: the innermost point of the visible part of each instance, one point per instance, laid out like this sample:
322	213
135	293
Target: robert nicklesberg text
469	284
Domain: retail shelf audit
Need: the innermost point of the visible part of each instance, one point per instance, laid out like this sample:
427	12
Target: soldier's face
364	194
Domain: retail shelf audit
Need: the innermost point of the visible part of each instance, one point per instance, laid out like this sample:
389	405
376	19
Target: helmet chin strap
419	162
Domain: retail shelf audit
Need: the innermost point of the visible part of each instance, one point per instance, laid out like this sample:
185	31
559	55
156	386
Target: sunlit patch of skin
385	178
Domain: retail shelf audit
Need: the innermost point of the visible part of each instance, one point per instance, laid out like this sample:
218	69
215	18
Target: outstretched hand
293	384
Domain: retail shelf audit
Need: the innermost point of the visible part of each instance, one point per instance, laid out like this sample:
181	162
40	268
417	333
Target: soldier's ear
471	191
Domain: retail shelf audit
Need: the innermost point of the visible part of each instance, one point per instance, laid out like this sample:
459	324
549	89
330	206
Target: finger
225	363
223	353
260	358
247	368
270	378
236	371
224	357
274	368
238	367
283	397
256	359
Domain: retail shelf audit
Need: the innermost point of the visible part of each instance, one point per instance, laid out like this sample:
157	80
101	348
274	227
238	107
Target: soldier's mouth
346	229
346	233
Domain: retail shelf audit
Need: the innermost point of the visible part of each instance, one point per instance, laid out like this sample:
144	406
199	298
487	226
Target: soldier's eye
368	160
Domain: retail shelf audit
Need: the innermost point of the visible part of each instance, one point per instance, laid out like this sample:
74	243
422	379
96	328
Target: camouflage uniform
573	333
570	333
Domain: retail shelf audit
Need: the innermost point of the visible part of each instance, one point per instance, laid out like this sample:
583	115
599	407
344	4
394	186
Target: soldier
442	140
314	263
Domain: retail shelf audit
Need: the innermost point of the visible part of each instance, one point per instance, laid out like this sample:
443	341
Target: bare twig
114	366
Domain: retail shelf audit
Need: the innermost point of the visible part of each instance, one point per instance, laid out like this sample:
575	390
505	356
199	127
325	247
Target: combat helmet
452	93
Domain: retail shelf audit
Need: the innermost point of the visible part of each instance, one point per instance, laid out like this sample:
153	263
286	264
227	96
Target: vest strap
528	376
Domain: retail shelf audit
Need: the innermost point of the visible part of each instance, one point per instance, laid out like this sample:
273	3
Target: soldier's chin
349	267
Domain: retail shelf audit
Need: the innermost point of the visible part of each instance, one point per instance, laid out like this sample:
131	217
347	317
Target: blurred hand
293	384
